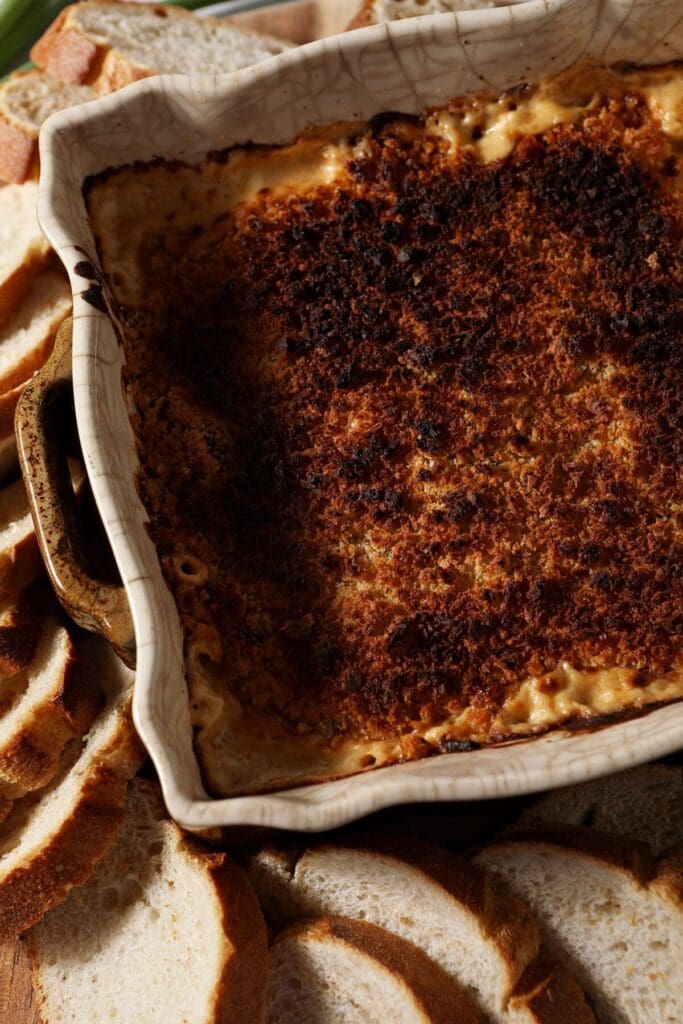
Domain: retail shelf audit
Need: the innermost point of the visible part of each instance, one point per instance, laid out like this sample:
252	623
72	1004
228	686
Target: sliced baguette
57	704
373	12
27	99
644	804
27	338
427	896
107	45
51	839
23	248
163	931
339	971
8	441
610	912
5	806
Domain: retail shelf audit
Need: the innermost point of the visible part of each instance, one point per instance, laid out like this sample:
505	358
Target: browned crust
117	71
669	878
18	151
5	806
362	17
241	990
66	54
66	859
504	920
19	565
30	758
437	994
549	994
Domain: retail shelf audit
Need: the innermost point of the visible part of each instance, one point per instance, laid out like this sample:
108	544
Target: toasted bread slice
425	895
373	12
610	912
27	99
644	804
351	972
27	338
5	806
57	704
162	931
23	248
8	440
51	839
108	45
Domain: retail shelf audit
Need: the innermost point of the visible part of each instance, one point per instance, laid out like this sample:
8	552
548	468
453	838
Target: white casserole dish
404	66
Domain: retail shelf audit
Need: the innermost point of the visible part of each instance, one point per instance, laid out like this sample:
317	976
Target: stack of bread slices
569	917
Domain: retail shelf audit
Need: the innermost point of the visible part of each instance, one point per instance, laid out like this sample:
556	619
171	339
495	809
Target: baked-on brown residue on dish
424	426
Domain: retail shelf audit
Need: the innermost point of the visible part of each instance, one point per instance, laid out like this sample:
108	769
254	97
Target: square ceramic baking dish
404	66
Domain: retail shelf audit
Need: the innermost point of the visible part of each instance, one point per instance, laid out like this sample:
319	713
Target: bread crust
238	994
362	17
548	993
41	881
434	991
30	756
18	152
65	53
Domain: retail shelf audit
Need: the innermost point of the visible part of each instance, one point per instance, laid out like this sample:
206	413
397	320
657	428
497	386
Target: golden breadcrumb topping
413	437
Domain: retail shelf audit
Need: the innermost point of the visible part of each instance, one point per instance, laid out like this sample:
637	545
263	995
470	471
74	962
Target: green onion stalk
23	21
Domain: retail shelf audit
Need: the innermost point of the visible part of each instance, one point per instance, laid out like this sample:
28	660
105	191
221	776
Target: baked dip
408	414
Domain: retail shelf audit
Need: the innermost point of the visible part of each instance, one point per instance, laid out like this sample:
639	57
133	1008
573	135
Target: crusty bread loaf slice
610	912
27	338
107	44
429	897
20	561
644	804
27	99
338	971
23	248
5	806
51	839
373	12
57	703
163	931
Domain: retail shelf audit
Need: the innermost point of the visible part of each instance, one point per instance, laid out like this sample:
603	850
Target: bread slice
27	99
609	911
51	839
338	971
162	931
434	899
23	248
27	338
644	804
20	560
373	12
8	440
108	45
58	703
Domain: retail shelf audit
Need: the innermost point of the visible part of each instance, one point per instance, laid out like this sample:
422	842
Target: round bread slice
51	839
433	899
57	704
162	931
338	971
606	909
643	804
108	45
27	336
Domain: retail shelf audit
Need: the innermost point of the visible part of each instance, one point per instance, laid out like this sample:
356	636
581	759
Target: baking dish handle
45	423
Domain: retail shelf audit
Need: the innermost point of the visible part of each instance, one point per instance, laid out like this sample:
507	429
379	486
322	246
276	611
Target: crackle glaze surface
403	66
